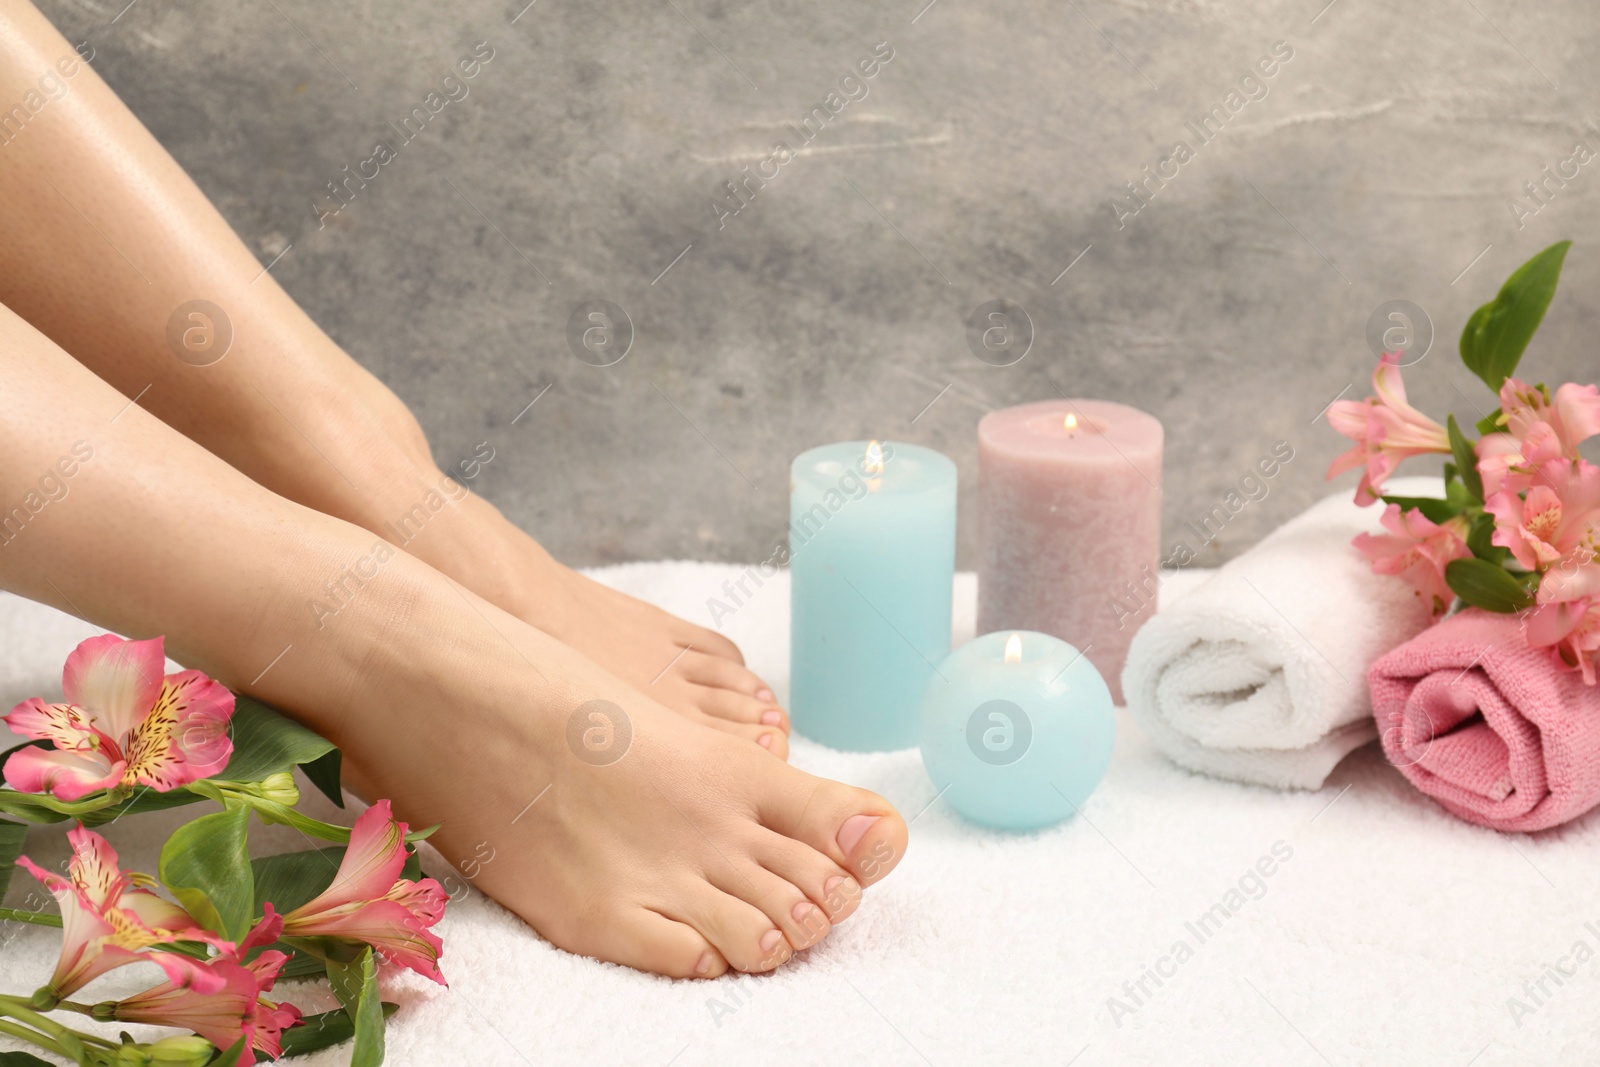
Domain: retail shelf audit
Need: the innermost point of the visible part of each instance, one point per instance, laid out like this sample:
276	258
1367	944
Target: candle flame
1014	648
1070	422
872	465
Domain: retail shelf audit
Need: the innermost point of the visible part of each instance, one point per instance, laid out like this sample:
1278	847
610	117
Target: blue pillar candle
872	537
1017	729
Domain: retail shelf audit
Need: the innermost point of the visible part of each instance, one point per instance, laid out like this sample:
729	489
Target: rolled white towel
1260	673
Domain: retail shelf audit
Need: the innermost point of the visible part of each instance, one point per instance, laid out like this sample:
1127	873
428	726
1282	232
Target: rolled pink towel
1495	731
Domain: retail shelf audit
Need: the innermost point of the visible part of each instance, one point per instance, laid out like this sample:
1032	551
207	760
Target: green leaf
22	1059
207	867
317	1032
300	965
1486	586
1490	423
356	985
291	879
12	834
230	1055
266	742
1434	509
1466	460
323	772
1497	333
1480	541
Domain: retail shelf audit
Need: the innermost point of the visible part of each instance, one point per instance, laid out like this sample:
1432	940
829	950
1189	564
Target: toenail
771	718
802	911
853	830
765	740
763	694
770	939
831	884
704	966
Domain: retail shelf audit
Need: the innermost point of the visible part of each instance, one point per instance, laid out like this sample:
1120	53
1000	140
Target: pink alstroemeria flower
369	902
1553	528
107	916
1540	430
123	723
1385	428
221	998
1571	630
1418	550
1573	416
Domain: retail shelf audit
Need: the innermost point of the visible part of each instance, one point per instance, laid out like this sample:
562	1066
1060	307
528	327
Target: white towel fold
1260	674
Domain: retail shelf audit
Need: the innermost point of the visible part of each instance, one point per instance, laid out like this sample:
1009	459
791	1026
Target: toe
788	907
652	942
769	738
856	829
727	704
714	643
721	672
741	932
823	881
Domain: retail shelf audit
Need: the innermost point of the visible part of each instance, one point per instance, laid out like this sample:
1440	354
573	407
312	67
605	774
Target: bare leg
106	236
453	708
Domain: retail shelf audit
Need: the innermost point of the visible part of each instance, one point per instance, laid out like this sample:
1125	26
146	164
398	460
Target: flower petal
94	867
371	864
264	932
1349	417
64	725
425	899
393	932
1577	409
114	680
69	775
200	709
1548	624
161	916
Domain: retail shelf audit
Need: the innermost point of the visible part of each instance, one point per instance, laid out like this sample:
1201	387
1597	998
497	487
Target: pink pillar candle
1069	524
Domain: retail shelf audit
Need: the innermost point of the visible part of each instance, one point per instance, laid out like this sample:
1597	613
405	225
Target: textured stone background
984	160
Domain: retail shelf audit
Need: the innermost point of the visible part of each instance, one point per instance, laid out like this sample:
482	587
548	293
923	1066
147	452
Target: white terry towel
1260	674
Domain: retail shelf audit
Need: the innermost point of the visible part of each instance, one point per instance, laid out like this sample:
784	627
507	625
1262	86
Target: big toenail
770	939
704	966
771	718
853	830
765	740
802	911
763	694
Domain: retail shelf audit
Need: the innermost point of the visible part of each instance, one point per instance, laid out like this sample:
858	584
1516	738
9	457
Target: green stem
70	1041
33	1037
270	811
38	918
18	803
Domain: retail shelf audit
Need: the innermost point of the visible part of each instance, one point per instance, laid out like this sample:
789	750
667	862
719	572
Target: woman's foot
687	668
623	831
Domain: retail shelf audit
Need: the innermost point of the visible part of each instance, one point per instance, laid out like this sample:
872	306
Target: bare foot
687	668
623	831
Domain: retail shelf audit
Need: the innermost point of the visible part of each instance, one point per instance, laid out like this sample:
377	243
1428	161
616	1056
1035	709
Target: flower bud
191	1051
279	788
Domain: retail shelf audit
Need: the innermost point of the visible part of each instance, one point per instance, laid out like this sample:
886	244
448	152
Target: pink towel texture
1496	732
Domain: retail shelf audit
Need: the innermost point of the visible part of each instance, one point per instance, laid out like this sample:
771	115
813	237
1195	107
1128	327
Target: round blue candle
872	537
1017	729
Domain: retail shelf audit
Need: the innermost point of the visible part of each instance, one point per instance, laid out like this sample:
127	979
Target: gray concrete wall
986	156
